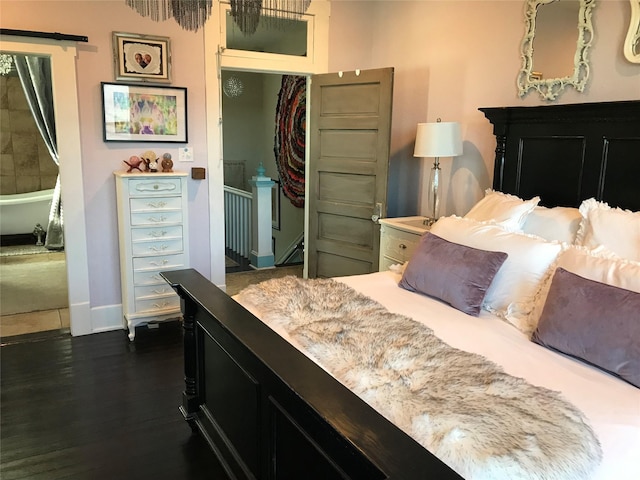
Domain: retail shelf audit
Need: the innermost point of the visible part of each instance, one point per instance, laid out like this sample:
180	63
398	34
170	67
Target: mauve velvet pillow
454	273
593	321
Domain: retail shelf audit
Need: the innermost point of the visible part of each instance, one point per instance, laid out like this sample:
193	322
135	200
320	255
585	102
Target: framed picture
275	205
144	113
142	58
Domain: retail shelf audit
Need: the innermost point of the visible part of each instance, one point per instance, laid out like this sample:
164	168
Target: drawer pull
402	246
160	291
157	219
157	277
160	263
145	187
157	234
157	204
161	305
161	248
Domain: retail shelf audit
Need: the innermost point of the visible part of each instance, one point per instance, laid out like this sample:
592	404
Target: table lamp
439	139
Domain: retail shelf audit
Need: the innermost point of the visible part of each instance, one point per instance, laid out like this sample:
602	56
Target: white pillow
507	210
616	229
514	288
598	265
558	223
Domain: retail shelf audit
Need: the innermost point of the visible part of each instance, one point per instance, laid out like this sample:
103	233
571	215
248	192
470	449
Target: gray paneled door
349	162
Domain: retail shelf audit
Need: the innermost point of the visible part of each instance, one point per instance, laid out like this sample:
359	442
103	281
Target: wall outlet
185	154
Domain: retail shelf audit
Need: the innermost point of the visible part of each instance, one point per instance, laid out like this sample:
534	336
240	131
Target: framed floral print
144	113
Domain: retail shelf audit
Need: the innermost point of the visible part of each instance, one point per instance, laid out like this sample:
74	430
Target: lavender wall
450	58
97	20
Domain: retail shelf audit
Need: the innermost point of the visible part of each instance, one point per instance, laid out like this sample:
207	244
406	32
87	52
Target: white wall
450	58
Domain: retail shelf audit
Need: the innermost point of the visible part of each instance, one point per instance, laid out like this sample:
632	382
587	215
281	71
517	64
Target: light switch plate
185	154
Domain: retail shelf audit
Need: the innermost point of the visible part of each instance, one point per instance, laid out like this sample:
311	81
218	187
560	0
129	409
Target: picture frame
144	113
275	205
142	58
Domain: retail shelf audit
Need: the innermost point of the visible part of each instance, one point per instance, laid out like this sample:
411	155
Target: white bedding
611	405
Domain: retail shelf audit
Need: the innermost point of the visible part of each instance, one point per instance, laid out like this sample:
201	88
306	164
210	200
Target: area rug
30	283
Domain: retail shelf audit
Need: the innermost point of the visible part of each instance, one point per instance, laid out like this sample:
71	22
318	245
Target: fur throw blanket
482	422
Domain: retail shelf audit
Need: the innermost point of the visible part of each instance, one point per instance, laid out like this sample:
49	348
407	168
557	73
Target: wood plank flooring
98	407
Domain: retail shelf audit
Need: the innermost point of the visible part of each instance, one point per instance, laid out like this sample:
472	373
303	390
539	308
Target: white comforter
611	405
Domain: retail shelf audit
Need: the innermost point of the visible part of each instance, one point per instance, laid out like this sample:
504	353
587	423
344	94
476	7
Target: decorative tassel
192	14
189	14
246	14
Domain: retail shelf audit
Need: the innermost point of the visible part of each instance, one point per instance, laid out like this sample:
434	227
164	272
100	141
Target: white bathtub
21	212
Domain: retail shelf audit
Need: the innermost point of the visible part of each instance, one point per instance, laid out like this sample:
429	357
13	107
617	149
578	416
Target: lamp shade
441	139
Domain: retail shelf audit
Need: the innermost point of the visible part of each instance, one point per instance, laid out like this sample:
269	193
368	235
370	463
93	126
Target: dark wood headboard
568	153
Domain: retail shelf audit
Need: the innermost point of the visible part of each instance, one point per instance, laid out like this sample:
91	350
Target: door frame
216	60
62	55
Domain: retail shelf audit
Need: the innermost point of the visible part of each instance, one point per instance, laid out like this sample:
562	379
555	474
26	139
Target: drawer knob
402	246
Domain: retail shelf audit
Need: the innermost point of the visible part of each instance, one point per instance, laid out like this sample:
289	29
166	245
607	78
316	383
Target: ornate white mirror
632	42
558	34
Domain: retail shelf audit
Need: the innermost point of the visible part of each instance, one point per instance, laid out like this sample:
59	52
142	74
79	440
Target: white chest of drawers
399	238
153	237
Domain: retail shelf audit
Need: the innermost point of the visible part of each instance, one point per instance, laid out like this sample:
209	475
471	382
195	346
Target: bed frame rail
269	412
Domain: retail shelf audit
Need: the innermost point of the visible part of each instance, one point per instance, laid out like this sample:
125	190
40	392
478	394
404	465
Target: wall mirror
558	34
632	42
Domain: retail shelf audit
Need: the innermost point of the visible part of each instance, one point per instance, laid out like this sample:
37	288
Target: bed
269	411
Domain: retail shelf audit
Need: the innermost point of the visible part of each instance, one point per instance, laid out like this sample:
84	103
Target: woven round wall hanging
289	147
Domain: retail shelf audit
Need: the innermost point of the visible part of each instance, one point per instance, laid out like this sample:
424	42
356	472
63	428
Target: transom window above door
277	44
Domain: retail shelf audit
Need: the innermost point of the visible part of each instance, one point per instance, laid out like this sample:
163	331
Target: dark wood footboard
269	412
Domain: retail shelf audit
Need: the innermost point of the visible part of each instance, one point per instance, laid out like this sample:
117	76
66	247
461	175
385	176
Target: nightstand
399	238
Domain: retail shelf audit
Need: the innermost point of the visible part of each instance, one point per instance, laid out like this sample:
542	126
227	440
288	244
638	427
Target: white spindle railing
237	220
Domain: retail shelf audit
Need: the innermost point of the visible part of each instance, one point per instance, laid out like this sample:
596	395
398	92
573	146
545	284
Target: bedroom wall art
144	113
289	145
632	41
549	86
142	58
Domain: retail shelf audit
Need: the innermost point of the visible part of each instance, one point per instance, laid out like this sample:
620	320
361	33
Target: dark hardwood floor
98	407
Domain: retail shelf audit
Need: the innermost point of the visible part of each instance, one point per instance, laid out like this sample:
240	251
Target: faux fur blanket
482	422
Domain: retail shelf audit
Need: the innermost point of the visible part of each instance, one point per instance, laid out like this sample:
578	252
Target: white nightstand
399	238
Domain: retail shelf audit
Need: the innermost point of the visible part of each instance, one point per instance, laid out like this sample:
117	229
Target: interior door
350	129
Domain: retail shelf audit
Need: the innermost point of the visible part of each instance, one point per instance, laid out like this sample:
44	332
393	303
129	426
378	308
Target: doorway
33	293
62	54
249	131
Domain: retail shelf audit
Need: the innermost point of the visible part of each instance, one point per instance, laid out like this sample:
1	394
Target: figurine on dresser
133	163
167	163
151	161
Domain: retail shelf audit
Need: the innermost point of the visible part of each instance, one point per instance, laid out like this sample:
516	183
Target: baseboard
106	318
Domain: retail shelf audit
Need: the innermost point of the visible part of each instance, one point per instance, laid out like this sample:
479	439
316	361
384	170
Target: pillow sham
504	209
594	322
616	229
456	274
598	265
513	290
557	223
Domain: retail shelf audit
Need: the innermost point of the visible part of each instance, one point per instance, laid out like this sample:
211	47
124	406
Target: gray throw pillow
594	322
454	273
